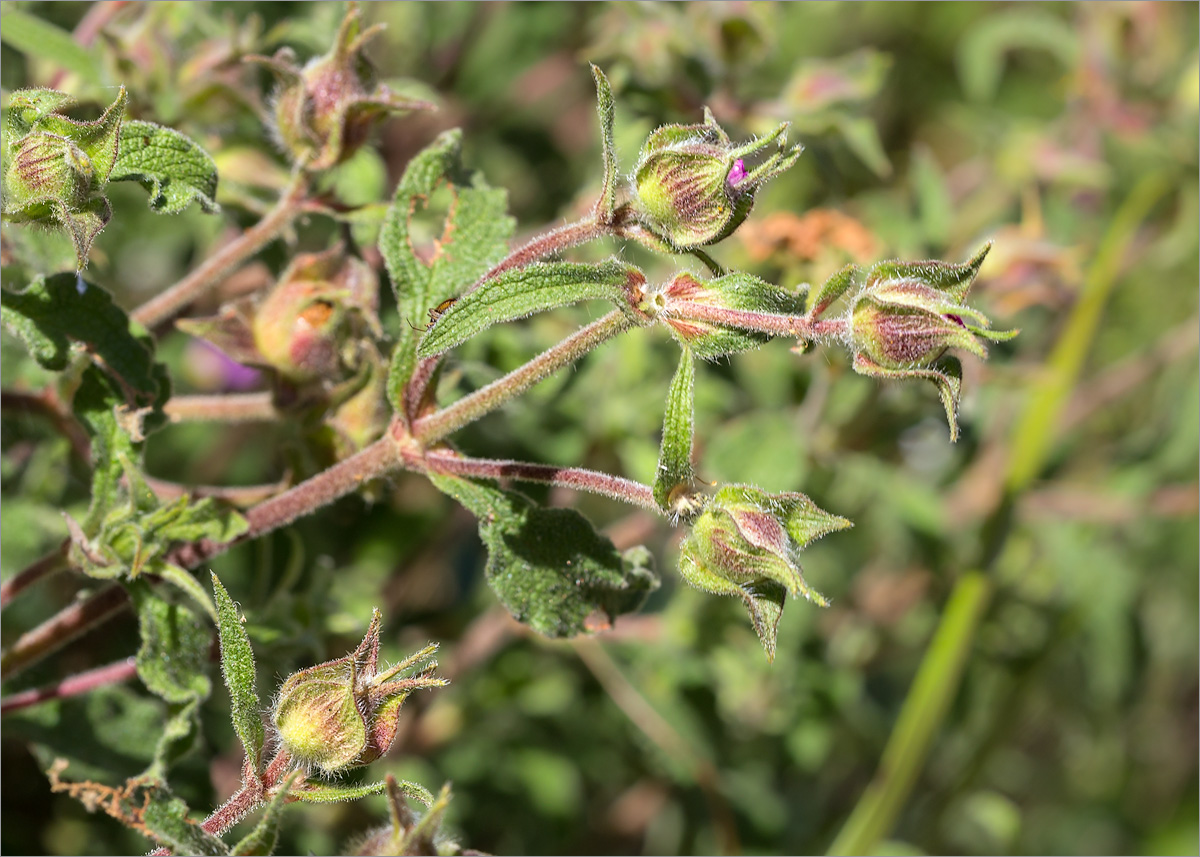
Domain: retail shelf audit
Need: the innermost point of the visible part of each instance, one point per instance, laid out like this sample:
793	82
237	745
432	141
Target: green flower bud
344	713
48	168
908	315
325	111
692	186
747	543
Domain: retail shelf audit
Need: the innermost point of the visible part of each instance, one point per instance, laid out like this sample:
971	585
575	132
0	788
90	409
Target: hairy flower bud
692	186
325	110
907	316
344	713
747	543
49	168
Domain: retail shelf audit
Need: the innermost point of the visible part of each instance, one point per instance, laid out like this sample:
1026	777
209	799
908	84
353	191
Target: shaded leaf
549	567
518	293
675	454
237	665
166	819
53	313
174	169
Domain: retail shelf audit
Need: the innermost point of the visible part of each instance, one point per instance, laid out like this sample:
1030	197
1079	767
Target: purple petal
736	173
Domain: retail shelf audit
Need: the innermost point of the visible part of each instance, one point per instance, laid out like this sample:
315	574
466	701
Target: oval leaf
173	168
237	663
675	455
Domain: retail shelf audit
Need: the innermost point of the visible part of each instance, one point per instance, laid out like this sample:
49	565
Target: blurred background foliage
929	129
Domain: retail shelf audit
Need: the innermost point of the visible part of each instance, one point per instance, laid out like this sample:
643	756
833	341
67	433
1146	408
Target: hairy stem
616	487
225	408
61	629
166	305
51	563
466	410
777	325
343	478
241	496
73	686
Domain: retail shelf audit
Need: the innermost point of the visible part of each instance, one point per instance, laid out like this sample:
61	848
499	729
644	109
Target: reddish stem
61	628
51	563
73	686
797	326
592	481
229	408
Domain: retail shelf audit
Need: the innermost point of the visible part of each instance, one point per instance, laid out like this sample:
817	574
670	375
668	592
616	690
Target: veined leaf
549	567
237	664
675	454
475	238
518	293
173	168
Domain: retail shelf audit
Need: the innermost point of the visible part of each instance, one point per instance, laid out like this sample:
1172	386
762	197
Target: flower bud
325	111
747	543
344	713
908	315
692	185
321	303
48	168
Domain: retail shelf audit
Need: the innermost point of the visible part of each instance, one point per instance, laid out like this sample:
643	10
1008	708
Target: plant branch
51	563
430	429
241	496
226	408
73	686
592	481
547	244
797	326
62	628
166	305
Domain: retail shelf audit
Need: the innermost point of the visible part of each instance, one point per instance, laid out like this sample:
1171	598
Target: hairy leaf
606	108
549	567
316	791
27	106
172	167
833	288
675	454
166	820
237	664
475	237
709	341
518	293
953	279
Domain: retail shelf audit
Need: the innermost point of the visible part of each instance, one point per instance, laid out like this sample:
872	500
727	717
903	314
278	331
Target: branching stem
215	268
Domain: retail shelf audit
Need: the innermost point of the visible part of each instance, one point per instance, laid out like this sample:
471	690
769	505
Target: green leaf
237	664
52	313
94	406
475	238
522	292
166	820
833	288
173	168
982	49
953	279
549	567
265	835
172	662
675	454
36	37
311	791
606	107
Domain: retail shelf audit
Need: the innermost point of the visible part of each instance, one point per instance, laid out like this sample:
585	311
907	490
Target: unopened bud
344	713
692	185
